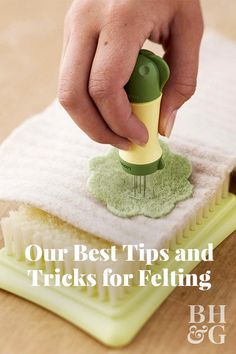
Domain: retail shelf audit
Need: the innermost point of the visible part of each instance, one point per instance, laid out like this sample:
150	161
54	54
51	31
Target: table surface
30	41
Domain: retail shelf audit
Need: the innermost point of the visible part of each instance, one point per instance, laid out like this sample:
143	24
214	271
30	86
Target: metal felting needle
139	186
144	90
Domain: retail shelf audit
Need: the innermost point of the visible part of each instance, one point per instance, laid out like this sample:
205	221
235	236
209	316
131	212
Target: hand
101	43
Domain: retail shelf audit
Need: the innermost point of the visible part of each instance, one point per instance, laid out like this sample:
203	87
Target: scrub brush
111	315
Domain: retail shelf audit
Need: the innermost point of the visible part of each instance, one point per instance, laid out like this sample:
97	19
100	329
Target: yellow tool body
148	113
144	91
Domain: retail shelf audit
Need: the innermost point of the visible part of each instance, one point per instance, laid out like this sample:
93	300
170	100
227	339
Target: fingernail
141	140
170	124
138	142
125	146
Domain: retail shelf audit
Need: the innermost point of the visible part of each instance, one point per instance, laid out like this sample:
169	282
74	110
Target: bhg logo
213	317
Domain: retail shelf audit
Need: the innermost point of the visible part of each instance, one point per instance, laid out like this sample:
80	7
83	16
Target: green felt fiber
110	185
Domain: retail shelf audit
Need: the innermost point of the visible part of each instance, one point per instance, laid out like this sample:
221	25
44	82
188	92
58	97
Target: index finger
112	67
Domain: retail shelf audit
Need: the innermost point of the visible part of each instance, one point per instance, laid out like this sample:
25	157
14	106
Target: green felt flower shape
109	184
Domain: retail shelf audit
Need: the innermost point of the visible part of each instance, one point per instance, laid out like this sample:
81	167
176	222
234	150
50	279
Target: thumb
182	52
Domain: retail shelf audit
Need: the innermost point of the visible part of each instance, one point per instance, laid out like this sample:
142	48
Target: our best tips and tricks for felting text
146	266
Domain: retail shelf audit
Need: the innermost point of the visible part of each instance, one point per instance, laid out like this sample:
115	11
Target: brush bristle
29	225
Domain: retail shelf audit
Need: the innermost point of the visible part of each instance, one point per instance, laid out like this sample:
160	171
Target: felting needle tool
144	90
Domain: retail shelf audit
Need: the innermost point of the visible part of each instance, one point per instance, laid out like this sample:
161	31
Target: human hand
102	39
